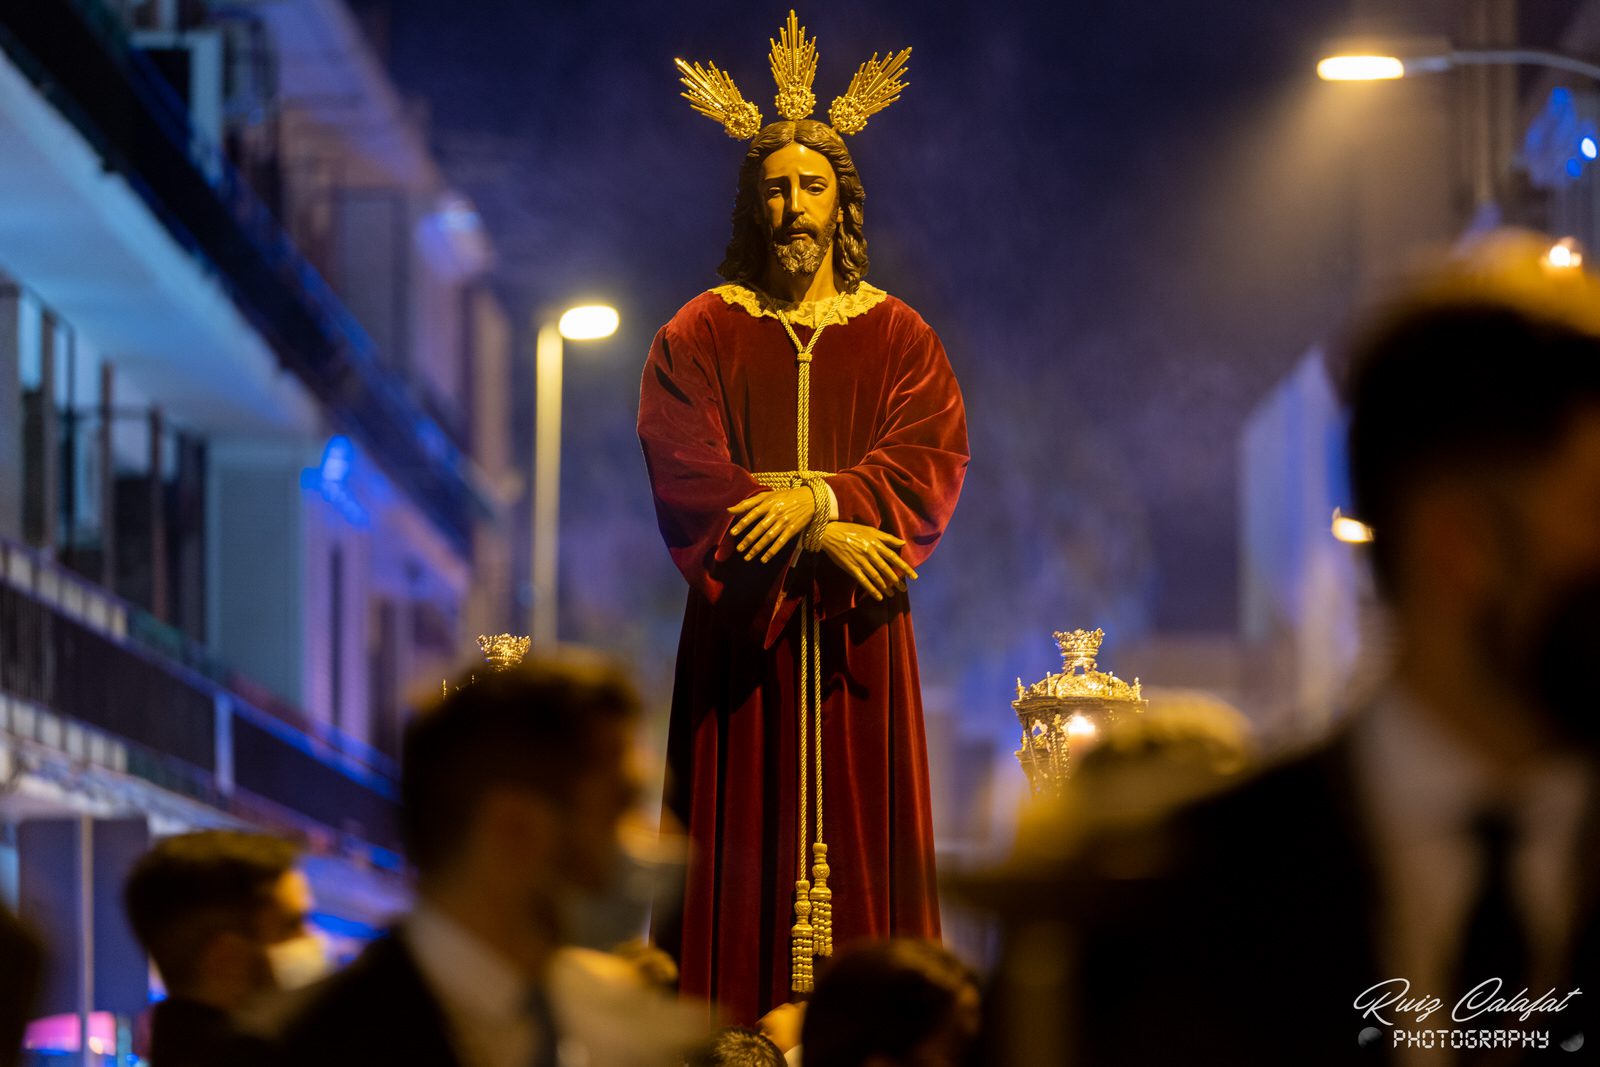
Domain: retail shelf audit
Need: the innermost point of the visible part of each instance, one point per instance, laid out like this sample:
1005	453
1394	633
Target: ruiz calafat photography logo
1487	1016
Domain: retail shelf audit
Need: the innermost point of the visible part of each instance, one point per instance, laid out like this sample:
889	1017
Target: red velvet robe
717	403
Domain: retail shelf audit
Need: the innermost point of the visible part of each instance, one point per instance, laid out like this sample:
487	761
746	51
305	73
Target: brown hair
883	999
746	255
1431	397
192	887
536	726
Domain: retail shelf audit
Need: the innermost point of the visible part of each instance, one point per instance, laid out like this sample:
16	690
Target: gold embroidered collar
807	312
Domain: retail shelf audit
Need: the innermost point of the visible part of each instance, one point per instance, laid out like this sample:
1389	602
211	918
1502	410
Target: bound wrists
811	538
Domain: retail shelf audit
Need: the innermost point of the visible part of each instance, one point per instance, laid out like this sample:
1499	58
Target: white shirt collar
460	967
605	1015
1420	788
1421	781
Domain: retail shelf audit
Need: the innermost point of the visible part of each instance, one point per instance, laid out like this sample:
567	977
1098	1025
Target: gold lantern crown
876	85
503	651
1063	712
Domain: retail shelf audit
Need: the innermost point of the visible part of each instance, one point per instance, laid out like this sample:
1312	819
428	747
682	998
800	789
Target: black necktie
1493	943
545	1052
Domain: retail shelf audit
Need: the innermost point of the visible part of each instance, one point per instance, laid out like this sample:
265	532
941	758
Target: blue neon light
1558	142
336	459
343	926
331	479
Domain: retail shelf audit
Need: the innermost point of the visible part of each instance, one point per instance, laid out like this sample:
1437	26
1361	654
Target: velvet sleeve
908	483
695	480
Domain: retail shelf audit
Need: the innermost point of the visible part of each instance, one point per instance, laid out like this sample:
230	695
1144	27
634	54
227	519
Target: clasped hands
769	521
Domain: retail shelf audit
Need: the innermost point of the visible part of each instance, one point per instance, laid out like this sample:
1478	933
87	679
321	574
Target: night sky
1122	219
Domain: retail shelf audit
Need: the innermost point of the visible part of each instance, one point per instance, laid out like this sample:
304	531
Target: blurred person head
20	975
654	966
1474	447
512	789
737	1046
799	200
223	913
895	1003
782	1024
1182	746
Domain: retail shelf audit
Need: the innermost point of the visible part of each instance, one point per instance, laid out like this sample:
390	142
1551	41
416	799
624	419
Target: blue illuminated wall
1300	590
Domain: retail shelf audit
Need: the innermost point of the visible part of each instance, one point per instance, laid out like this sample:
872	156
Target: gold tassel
821	901
803	940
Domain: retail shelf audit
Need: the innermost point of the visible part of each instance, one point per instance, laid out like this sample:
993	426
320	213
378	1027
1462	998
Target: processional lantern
1063	715
502	651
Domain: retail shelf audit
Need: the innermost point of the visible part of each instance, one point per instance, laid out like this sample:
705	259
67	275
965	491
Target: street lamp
1375	67
1404	58
1360	68
1350	531
587	322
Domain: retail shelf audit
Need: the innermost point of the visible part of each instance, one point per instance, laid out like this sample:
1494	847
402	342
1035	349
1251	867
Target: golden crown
503	651
876	85
1063	713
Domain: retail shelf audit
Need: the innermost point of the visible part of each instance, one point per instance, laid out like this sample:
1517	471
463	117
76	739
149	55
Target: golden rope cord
821	895
812	933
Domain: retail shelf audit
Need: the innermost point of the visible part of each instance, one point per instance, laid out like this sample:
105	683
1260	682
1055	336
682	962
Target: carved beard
802	256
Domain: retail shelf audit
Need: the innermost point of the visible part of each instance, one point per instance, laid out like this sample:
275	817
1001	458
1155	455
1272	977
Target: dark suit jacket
378	1010
1241	932
21	971
186	1033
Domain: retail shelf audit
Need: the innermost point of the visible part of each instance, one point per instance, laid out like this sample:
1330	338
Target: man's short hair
1480	374
882	998
737	1046
191	887
531	727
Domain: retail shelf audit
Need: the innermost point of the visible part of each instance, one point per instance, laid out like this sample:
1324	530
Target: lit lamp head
1357	60
1361	68
588	322
1350	531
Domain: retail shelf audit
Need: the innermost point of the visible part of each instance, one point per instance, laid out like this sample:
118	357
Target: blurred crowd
1418	887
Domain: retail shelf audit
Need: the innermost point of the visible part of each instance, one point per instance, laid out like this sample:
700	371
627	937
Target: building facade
253	430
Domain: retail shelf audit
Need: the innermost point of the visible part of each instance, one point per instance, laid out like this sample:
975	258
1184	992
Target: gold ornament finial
713	94
794	67
875	86
503	651
1079	647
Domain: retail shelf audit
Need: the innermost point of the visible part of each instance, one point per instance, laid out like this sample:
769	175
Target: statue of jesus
806	442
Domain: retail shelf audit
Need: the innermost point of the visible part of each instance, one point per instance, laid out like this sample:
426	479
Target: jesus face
800	196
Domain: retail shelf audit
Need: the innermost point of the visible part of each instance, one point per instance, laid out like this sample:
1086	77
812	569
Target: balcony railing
77	53
73	658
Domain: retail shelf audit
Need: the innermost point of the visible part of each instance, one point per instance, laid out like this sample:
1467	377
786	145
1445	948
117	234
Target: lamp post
1372	67
588	322
1433	55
